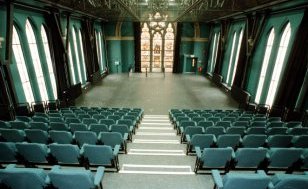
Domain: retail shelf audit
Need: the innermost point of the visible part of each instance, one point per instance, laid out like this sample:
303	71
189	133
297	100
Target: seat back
250	157
78	127
228	140
37	136
24	118
7	152
33	152
192	130
247	180
71	178
224	124
72	120
287	181
214	119
89	121
122	129
205	124
293	124
107	122
23	178
275	124
98	154
19	125
284	157
300	141
98	116
115	118
298	131
39	125
65	153
277	131
111	138
241	123
126	122
256	131
85	137
236	130
4	125
258	124
13	135
203	140
216	157
279	141
97	128
61	137
215	130
253	141
58	126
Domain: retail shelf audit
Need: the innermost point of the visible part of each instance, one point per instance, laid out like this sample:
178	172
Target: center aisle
156	159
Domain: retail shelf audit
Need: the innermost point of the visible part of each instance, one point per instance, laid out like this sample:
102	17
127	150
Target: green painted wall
193	45
120	48
277	22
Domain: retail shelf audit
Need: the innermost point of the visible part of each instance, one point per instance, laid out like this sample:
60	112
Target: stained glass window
157	46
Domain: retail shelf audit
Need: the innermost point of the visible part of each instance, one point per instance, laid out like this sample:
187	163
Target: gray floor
157	94
155	158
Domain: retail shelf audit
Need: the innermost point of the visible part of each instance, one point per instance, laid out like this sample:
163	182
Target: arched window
36	61
76	54
84	73
213	53
237	55
21	66
266	58
98	36
71	64
49	62
280	59
231	57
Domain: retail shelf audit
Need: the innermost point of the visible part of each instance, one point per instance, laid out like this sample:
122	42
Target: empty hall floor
157	94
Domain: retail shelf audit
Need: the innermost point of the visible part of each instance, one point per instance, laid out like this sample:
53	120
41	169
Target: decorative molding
119	38
195	39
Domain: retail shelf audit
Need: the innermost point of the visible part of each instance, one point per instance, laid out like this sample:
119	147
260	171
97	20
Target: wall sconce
250	41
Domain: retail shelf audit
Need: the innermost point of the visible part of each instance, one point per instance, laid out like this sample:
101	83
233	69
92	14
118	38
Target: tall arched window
36	61
49	62
231	57
213	53
76	54
280	59
266	58
157	44
84	73
21	66
237	56
98	36
71	64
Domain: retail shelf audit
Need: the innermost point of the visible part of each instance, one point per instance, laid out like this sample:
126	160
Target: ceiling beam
187	11
128	9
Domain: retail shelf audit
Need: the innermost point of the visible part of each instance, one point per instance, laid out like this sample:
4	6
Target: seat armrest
198	151
261	172
217	178
99	175
55	168
187	138
270	186
125	137
131	128
116	150
10	166
233	155
181	129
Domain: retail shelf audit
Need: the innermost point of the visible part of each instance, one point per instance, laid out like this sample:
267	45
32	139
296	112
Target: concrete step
157	169
156	137
156	146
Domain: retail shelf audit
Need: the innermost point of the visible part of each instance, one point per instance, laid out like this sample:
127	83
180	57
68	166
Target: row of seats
31	154
259	180
248	141
35	178
217	131
105	125
118	135
288	159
